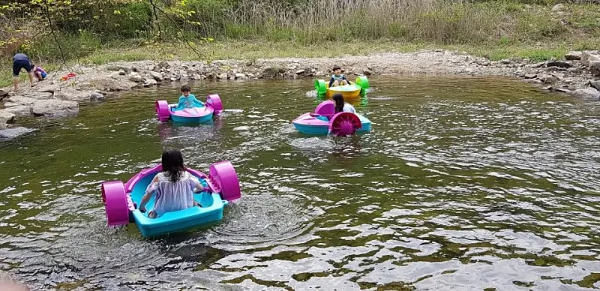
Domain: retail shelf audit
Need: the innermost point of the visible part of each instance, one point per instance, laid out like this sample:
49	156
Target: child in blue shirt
187	100
337	79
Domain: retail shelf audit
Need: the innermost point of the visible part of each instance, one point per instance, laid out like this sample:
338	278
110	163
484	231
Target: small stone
163	64
558	8
135	77
505	61
574	70
3	93
563	90
533	81
222	76
300	72
240	76
530	76
548	79
538	65
196	76
367	72
573	56
587	93
122	72
549	88
173	79
96	96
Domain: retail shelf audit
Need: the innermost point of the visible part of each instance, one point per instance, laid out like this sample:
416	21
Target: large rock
55	108
587	94
150	83
20	110
560	64
595	84
573	56
10	133
5	118
38	95
595	68
48	88
3	93
73	95
18	101
119	68
111	85
156	75
589	56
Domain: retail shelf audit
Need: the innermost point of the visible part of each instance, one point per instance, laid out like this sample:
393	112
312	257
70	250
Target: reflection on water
463	183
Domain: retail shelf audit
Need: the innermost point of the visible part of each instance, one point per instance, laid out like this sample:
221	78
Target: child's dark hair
336	67
339	102
172	164
186	88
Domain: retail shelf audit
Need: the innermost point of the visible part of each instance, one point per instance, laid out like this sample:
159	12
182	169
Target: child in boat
39	72
174	186
341	106
338	79
187	100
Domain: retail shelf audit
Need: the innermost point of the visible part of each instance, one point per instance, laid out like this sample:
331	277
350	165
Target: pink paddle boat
325	121
197	114
221	186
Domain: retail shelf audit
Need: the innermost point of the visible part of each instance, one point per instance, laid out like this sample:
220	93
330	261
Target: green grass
494	29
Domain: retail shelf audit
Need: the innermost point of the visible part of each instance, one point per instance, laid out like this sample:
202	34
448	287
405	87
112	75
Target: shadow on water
464	183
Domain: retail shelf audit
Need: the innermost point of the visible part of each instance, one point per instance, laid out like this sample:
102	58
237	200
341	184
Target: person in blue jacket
187	100
338	79
21	61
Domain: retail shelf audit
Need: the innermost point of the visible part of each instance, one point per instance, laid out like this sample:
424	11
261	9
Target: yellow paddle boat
350	92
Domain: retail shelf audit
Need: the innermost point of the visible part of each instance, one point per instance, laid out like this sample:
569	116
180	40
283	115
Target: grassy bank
251	29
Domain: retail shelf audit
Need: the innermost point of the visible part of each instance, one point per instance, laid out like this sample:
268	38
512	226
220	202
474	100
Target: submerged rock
11	133
587	94
5	118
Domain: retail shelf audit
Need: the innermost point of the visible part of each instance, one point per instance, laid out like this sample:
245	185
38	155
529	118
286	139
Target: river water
463	184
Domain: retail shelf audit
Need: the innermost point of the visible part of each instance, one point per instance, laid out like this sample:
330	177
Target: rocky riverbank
577	75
